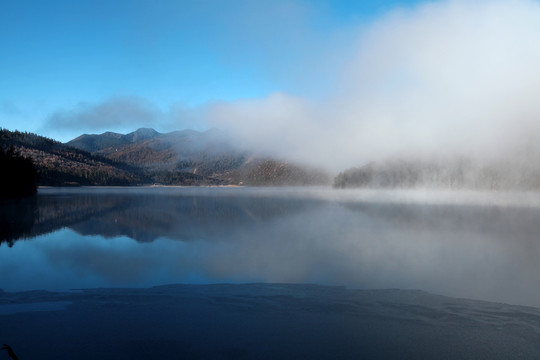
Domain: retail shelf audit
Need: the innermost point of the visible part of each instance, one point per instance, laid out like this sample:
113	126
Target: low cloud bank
442	79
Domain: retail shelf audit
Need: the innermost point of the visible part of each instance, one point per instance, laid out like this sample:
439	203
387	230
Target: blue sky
61	58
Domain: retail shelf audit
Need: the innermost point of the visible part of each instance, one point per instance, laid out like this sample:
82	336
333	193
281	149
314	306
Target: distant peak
141	134
109	134
146	131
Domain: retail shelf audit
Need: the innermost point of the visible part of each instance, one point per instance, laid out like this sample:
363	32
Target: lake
462	244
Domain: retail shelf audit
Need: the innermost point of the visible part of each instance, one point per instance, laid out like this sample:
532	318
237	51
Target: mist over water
461	244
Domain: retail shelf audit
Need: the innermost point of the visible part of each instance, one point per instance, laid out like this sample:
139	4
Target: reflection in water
17	218
85	238
141	216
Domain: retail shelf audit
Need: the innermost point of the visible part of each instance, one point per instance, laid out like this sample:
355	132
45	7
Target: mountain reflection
142	217
486	249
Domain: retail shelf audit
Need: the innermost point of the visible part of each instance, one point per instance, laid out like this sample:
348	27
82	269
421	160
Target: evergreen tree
18	175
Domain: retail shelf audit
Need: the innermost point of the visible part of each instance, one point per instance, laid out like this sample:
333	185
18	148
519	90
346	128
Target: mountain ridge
209	154
95	142
61	165
145	156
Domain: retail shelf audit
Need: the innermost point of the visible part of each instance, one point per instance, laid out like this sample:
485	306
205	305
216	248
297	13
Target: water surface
473	245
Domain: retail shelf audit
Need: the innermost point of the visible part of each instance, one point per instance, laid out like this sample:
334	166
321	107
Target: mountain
93	143
146	156
209	155
60	165
178	150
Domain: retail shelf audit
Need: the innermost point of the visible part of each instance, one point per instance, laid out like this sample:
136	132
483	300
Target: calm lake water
462	244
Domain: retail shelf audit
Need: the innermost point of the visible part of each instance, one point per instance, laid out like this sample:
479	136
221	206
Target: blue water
481	246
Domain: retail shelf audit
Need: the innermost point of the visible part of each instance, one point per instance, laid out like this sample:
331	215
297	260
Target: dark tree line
18	175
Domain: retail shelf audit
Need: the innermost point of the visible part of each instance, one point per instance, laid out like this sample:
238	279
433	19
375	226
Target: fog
441	79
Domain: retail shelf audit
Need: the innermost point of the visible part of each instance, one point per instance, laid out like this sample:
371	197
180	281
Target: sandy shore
260	321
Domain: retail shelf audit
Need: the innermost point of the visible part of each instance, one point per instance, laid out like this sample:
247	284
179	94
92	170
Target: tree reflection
142	217
17	218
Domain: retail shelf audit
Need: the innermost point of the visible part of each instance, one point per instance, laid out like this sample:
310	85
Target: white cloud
115	113
443	77
123	114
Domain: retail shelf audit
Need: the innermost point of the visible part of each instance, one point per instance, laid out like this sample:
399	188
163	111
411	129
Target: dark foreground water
263	321
473	245
260	248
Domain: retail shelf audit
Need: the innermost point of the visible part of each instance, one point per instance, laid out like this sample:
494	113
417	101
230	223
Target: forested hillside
196	158
145	156
266	172
450	173
60	165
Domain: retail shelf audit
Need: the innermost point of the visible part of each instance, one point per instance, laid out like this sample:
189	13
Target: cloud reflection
485	251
